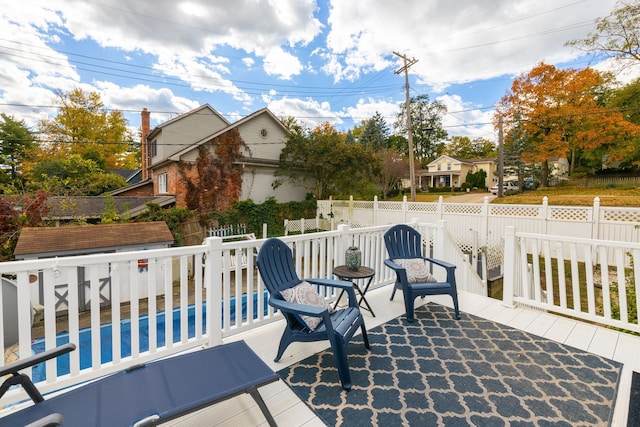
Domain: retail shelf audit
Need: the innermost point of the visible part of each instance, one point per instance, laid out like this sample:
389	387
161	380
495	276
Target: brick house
178	140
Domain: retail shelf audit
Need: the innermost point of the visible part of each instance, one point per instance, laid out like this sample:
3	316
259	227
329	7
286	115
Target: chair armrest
340	284
21	364
440	263
295	308
392	265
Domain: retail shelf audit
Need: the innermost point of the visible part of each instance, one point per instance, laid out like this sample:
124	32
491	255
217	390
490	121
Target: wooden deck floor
289	411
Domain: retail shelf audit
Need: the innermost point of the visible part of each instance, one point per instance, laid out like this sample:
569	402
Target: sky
336	61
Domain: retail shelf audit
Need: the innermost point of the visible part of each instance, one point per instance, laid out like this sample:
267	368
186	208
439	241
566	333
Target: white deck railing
208	291
587	279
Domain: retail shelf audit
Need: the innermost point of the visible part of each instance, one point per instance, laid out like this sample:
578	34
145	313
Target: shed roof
52	241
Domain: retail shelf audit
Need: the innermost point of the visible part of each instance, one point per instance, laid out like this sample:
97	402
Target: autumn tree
214	180
562	114
426	127
393	167
16	146
83	126
16	212
466	148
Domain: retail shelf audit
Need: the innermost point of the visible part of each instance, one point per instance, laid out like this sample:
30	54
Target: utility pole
412	171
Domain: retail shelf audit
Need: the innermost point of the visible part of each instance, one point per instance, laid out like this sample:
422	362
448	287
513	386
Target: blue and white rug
440	371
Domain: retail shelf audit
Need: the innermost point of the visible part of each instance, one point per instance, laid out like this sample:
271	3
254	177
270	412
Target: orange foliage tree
214	181
562	114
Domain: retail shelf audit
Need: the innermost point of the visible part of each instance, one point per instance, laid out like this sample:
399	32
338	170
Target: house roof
67	208
157	129
59	241
176	156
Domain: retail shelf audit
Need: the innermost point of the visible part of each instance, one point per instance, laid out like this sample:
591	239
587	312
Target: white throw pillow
306	294
417	270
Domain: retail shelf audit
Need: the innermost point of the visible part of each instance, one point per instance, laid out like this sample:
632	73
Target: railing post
344	242
405	208
213	290
438	244
510	259
375	210
595	228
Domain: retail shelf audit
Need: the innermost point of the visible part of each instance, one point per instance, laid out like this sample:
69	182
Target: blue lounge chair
147	394
404	244
275	263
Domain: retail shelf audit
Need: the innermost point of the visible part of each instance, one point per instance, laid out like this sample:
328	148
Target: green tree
16	146
427	128
83	126
320	160
375	133
73	176
616	35
466	148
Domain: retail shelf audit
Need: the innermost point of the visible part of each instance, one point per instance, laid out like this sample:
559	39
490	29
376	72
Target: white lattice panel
620	215
570	213
467	209
515	210
390	206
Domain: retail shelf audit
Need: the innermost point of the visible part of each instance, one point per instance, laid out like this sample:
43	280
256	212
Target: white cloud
309	111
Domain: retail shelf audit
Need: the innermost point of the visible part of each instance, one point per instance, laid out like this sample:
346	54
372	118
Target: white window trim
163	183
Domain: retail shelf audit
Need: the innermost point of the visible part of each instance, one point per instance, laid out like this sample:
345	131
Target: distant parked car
506	186
530	184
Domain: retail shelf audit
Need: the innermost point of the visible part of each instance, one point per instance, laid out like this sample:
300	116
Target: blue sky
316	60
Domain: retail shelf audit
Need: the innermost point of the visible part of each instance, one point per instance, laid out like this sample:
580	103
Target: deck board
289	410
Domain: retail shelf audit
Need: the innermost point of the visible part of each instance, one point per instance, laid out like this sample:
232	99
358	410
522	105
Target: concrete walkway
469	198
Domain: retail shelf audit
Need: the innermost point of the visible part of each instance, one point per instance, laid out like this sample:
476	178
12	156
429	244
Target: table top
344	272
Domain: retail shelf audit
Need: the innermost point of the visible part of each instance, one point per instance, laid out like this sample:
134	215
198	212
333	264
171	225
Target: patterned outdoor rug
442	372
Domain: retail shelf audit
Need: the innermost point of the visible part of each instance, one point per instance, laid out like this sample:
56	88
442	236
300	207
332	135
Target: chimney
145	130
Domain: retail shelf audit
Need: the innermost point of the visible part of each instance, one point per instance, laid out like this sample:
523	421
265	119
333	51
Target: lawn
577	196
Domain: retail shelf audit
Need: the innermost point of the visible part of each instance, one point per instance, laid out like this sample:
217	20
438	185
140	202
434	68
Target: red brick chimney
146	152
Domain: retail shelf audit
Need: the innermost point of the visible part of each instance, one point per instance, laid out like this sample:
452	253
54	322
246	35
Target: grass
576	196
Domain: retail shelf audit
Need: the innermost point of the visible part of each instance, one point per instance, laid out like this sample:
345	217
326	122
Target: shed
47	242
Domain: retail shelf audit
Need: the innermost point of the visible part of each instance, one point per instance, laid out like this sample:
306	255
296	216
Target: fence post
510	258
484	231
212	275
264	230
545	214
440	207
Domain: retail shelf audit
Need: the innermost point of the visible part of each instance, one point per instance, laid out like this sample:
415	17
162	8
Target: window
448	166
154	148
162	183
439	166
263	133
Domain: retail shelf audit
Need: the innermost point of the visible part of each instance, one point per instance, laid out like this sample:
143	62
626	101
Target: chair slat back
403	241
275	264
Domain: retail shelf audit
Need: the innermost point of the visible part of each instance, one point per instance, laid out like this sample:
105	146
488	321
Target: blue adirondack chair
275	264
405	243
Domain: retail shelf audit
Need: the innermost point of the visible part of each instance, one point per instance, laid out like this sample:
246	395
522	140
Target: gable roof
197	110
59	241
73	207
176	156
